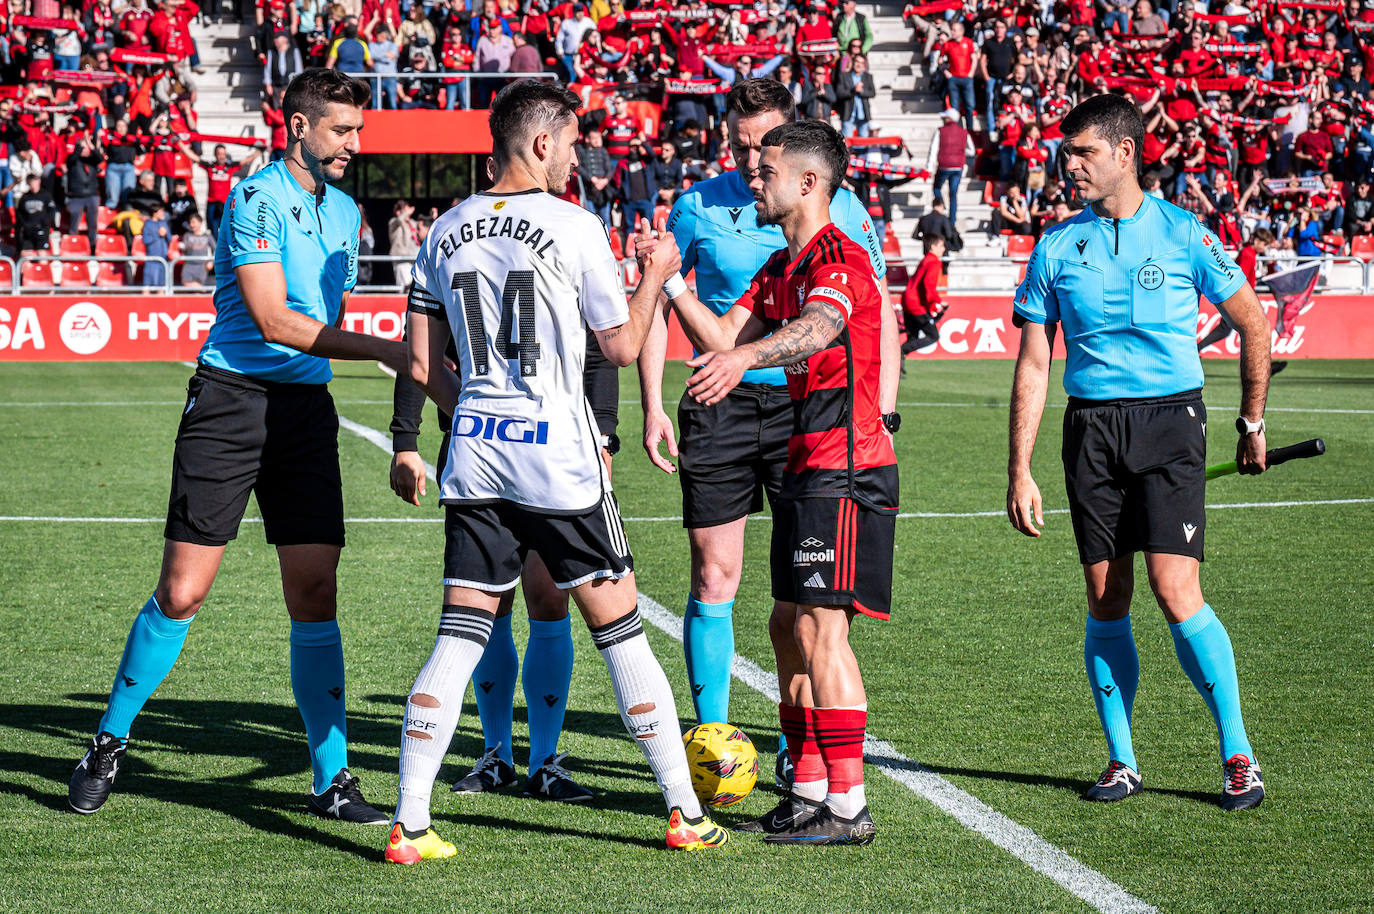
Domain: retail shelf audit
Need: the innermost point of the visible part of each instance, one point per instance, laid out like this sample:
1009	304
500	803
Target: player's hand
644	241
1250	456
1024	509
408	476
717	374
659	428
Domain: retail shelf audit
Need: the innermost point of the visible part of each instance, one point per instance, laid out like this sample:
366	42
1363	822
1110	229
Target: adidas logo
814	582
550	700
1188	531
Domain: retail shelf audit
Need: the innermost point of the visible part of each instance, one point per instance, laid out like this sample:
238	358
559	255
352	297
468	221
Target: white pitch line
56	403
60	519
1021	842
952	404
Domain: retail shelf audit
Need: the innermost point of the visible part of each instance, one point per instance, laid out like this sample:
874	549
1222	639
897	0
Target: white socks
647	707
434	705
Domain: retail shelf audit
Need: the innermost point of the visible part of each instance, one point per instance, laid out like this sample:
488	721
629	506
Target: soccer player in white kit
516	276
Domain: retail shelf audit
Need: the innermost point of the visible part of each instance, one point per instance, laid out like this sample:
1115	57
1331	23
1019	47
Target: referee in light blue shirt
1123	278
259	420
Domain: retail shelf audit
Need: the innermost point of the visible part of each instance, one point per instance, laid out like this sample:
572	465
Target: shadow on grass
1071	785
271	735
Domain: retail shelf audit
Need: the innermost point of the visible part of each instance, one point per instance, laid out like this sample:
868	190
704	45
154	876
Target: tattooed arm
718	372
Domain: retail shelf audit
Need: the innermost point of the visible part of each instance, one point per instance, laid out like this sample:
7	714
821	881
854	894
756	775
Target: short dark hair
751	97
1113	117
312	90
818	140
929	241
527	107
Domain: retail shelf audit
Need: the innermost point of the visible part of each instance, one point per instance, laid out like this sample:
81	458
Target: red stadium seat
36	274
75	245
617	245
6	275
111	246
993	191
138	249
1020	245
892	247
111	274
1362	247
104	218
1333	243
76	272
173	248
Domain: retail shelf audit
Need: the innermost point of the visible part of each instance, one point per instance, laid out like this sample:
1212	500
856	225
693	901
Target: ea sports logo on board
85	328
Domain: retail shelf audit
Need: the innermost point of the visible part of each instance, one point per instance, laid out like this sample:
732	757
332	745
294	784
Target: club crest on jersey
491	428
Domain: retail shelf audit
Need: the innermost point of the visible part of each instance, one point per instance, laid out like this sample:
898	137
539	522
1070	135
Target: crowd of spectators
97	102
1258	114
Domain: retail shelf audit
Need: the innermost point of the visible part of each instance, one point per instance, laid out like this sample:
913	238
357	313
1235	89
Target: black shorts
485	544
1136	475
733	453
833	552
241	435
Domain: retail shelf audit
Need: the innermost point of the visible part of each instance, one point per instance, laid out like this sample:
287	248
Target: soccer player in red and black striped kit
816	309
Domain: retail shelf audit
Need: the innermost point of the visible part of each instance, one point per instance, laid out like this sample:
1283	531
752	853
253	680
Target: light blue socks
1114	673
153	645
493	685
548	673
317	681
708	639
1204	651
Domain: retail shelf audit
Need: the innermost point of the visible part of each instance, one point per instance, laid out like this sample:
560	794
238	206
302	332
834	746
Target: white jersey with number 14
519	278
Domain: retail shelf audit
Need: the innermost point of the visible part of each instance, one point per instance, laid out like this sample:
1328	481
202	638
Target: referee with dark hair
1123	277
259	419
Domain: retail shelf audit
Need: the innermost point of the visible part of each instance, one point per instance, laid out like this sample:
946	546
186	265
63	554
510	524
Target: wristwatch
1245	427
611	443
892	422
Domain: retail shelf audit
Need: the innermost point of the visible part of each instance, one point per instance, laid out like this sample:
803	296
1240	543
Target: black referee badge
1150	277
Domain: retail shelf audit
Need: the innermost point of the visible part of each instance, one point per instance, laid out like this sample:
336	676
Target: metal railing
995	275
129	263
465	77
988	275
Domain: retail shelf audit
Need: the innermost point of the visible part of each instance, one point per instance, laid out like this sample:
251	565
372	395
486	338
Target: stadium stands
1258	112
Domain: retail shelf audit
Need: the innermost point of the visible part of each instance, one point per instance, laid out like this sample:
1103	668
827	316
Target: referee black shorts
732	453
240	435
1136	475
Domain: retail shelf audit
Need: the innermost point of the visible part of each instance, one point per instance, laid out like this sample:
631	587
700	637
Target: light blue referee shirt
717	229
272	219
1126	293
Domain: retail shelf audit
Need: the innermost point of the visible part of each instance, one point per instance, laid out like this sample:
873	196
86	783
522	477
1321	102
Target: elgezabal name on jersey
495	227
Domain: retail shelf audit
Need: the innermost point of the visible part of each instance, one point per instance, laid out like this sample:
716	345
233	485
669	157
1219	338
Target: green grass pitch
978	677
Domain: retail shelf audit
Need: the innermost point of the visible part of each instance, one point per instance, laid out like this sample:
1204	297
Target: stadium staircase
229	94
905	107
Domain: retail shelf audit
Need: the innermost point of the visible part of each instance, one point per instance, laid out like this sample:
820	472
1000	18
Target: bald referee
1123	278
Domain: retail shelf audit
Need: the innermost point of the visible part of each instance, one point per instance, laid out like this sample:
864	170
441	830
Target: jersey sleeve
1215	274
855	222
682	222
422	300
1035	299
754	296
601	295
836	284
256	232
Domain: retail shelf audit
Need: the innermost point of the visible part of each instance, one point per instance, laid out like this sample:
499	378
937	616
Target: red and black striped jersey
838	446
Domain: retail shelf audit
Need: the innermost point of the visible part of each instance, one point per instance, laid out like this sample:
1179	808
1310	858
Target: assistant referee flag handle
1313	447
